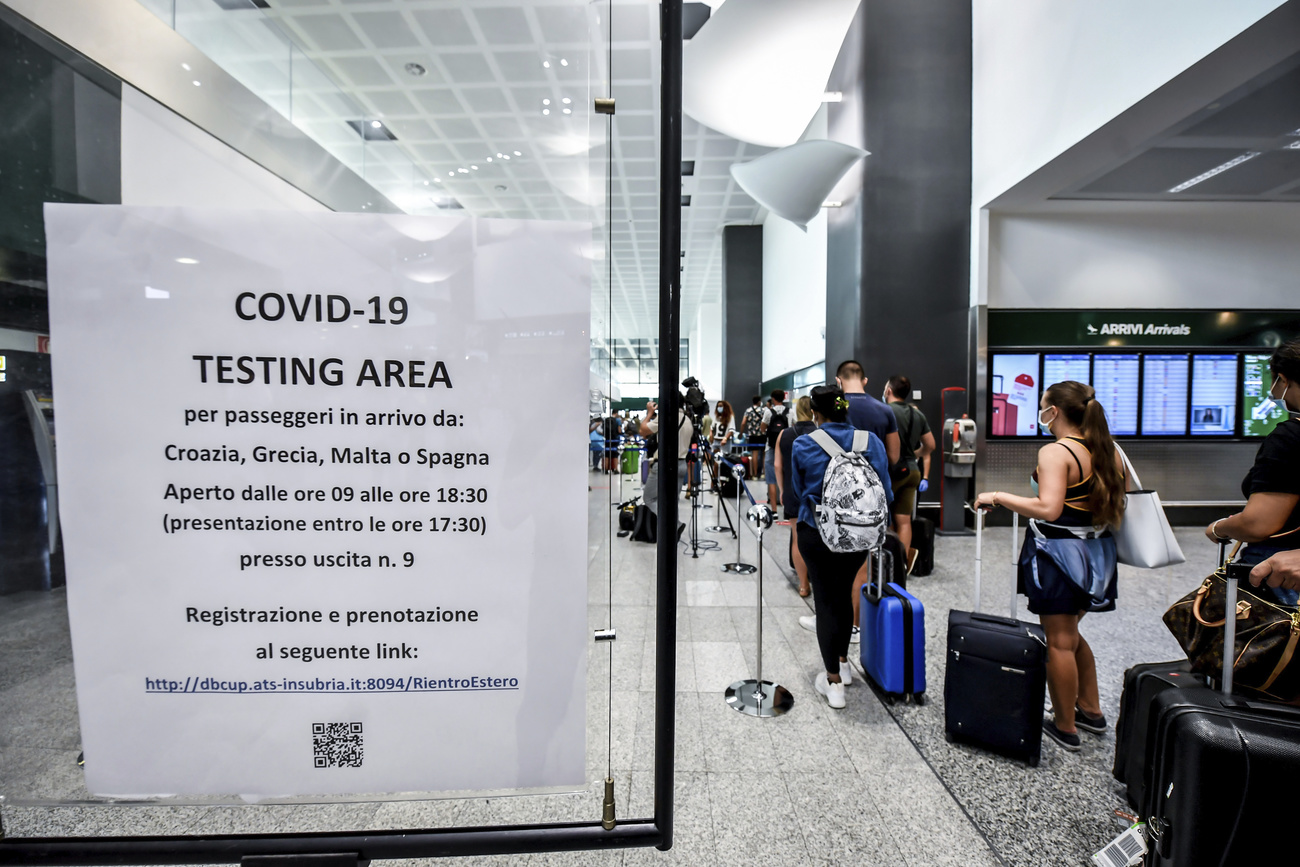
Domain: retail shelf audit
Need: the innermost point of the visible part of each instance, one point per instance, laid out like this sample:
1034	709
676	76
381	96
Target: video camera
696	405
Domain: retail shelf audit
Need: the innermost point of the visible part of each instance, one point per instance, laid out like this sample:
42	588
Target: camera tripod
695	456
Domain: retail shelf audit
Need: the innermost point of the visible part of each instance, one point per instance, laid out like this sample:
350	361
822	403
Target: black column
742	314
898	251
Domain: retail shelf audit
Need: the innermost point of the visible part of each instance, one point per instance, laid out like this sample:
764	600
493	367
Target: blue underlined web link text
208	685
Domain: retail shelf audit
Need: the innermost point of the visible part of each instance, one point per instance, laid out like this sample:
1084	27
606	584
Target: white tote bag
1144	538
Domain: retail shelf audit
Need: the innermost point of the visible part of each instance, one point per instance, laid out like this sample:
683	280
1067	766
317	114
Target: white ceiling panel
485	68
386	29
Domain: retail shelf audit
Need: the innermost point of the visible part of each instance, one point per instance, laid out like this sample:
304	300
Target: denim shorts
769	466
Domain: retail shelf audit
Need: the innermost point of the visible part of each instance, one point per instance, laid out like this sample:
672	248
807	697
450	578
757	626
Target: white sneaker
834	692
846	673
809	622
855	636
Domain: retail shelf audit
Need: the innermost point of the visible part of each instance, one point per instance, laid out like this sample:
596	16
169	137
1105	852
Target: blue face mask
1270	403
1045	425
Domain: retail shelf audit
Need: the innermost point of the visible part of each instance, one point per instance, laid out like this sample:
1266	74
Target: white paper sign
322	497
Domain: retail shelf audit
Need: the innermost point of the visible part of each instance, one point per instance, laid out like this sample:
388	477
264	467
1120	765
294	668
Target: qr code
337	745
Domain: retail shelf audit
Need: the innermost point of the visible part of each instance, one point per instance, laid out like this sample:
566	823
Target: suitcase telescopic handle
979	564
979	552
1229	621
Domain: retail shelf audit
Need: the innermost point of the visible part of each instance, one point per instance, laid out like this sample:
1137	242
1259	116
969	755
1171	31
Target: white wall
1048	73
794	295
168	161
706	349
794	285
1238	255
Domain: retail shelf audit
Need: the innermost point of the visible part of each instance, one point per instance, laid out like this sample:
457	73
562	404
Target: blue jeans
1255	553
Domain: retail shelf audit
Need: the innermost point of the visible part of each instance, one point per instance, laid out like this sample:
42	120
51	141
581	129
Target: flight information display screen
1256	380
1060	368
1115	377
1164	395
1015	394
1221	393
1214	395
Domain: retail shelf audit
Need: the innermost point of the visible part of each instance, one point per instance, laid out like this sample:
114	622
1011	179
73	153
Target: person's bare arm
892	447
650	409
1053	475
1264	515
927	449
1280	570
776	467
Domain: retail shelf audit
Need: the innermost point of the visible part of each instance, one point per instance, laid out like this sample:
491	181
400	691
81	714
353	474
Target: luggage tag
1125	850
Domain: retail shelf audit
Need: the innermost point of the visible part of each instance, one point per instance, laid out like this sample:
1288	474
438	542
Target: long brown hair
1079	404
725	418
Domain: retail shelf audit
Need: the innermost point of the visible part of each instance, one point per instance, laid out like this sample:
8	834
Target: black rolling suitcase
1142	683
923	542
1221	772
996	677
1222	769
893	561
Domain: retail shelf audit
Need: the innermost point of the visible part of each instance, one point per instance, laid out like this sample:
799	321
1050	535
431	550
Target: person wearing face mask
1270	523
1067	564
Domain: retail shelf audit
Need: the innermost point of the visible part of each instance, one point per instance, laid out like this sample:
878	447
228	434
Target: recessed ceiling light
546	64
416	69
185	66
568	111
197	83
546	111
426	183
566	100
563	62
377	124
451	174
186	260
489	159
463	171
498	153
518	154
506	157
475	168
546	102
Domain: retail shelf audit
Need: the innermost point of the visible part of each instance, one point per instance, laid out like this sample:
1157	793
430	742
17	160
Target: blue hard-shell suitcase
893	641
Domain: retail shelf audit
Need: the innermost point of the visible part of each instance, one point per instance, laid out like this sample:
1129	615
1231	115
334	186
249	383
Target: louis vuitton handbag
1265	663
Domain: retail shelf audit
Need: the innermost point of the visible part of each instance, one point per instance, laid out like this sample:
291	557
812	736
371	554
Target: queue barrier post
755	696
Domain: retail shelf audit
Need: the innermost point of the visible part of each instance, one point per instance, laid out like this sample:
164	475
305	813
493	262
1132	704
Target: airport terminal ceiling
455	84
1242	147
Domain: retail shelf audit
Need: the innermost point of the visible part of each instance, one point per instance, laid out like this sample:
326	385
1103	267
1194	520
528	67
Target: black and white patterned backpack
854	511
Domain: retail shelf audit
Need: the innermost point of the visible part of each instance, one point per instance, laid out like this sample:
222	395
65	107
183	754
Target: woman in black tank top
1078	485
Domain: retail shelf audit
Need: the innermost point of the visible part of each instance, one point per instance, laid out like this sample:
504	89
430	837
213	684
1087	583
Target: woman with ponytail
1067	563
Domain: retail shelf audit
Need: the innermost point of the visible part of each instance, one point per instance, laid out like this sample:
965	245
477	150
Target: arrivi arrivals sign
322	490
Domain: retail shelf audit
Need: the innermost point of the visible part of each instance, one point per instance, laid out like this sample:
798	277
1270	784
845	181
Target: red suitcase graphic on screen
1004	413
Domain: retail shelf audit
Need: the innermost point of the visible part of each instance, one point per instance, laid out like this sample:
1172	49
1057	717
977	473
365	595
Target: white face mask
884	396
1045	425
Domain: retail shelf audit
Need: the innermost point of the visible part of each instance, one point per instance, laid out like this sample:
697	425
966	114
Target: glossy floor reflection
870	784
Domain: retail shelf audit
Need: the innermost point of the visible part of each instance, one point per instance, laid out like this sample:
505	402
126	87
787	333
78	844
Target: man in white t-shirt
685	430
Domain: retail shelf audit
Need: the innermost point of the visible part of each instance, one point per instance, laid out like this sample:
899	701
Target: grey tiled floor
870	784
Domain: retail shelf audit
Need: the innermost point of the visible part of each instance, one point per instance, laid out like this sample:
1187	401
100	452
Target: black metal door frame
351	848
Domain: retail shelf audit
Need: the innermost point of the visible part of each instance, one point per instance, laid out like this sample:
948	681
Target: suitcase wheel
918	698
1033	763
947	736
